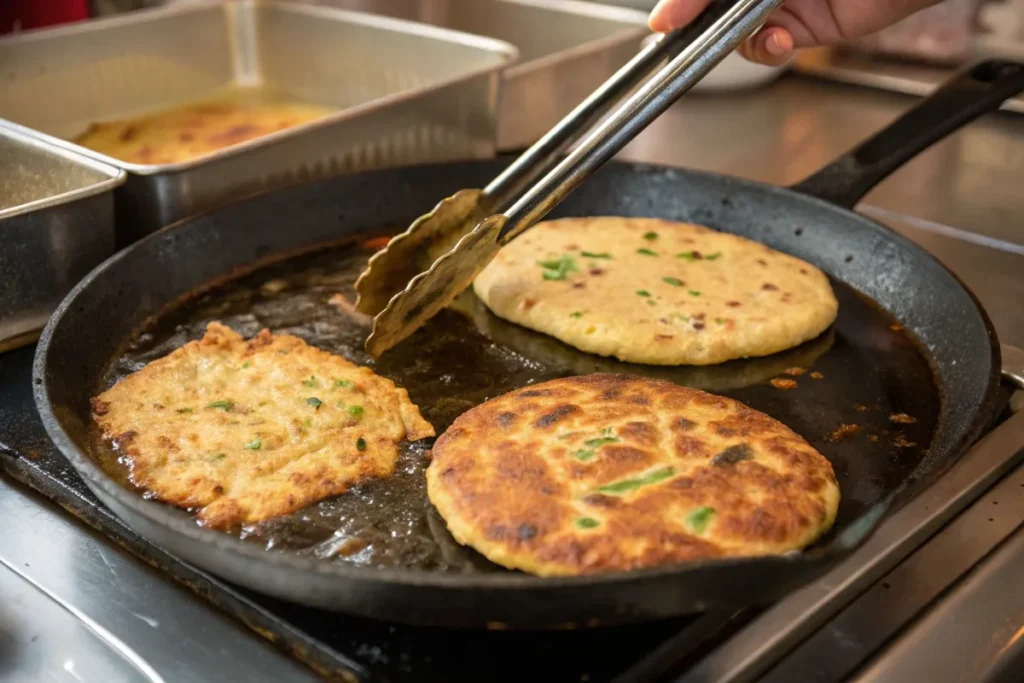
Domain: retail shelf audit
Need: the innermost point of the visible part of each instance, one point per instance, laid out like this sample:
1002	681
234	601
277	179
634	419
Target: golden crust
614	472
191	131
658	292
246	430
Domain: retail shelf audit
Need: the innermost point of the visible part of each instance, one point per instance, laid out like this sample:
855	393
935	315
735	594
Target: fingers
668	15
770	46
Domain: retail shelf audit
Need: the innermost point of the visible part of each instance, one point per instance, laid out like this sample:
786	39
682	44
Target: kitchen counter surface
961	199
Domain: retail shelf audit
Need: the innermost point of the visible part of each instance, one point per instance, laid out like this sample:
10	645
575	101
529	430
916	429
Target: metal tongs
426	267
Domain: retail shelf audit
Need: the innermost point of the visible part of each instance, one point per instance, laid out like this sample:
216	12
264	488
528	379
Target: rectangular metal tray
404	93
567	49
56	224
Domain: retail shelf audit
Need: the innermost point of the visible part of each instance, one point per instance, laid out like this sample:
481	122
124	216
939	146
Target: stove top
72	597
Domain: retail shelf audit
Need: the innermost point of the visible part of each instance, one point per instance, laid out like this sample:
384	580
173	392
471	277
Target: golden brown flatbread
246	430
607	472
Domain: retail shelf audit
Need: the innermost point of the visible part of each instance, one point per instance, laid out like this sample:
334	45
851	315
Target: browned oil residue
901	442
873	438
843	432
902	418
795	372
817	375
861	408
784	383
896	327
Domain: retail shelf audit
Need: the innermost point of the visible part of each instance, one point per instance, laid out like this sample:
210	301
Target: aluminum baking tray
567	49
56	224
403	92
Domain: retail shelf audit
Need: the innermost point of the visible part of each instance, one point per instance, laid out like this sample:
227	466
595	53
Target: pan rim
184	527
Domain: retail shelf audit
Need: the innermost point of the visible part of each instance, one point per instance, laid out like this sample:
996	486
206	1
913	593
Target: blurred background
951	32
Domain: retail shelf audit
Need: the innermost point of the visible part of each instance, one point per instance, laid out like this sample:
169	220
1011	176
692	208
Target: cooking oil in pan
841	392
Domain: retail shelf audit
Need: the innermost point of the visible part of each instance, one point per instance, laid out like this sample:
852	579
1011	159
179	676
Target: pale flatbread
651	291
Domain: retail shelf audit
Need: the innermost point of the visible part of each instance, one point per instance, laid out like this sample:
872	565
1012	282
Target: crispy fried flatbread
657	292
245	430
615	472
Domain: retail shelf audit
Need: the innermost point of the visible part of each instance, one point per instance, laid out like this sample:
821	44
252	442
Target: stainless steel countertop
779	134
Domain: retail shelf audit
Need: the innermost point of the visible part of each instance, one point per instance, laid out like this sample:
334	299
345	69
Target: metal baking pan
567	49
403	92
56	224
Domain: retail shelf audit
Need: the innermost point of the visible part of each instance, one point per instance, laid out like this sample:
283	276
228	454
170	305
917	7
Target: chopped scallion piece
646	252
698	519
361	444
650	235
255	444
223	405
674	281
624	485
314	401
587	522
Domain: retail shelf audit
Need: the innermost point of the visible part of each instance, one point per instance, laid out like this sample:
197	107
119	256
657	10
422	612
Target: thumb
669	15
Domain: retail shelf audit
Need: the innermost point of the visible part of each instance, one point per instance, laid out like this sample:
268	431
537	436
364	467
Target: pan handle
970	93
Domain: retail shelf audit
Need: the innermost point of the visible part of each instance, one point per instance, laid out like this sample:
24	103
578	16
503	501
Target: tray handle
967	95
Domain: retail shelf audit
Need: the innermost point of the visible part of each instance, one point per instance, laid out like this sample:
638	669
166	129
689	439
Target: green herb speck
712	257
361	444
254	445
583	454
576	314
344	384
694	292
650	302
674	281
597	443
246	364
591	254
355	411
565	436
311	382
650	235
642	292
223	405
314	401
698	519
586	522
681	317
558	269
688	255
646	252
216	456
720	321
183	410
624	485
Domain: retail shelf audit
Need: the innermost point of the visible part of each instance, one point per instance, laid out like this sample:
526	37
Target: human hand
798	23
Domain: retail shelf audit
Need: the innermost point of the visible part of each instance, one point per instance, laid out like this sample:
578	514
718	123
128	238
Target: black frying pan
947	375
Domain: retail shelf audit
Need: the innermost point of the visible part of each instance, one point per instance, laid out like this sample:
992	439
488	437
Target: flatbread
607	472
246	430
191	131
656	292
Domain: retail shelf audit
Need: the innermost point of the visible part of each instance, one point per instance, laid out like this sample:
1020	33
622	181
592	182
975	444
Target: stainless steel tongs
426	267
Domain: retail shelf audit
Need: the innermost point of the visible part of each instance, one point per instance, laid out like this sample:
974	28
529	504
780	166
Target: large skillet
812	220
